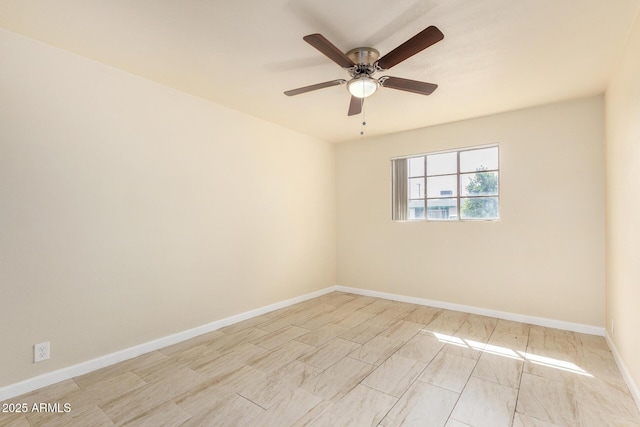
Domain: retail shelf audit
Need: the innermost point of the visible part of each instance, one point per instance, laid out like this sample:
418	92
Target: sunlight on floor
512	354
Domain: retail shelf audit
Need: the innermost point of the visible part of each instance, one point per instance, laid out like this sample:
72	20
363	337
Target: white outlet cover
41	351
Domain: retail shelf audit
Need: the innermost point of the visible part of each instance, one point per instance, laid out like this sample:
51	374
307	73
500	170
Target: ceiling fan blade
317	86
355	106
421	88
415	44
329	50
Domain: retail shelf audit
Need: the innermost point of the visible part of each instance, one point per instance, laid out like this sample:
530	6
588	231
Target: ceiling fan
363	62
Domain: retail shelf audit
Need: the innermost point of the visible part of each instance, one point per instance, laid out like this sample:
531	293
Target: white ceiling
497	55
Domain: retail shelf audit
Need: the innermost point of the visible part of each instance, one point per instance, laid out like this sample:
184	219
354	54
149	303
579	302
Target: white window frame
458	175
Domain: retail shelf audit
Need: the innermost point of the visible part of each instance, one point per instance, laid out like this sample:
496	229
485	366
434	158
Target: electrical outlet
41	352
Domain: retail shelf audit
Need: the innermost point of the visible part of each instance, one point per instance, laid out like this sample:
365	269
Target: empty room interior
419	213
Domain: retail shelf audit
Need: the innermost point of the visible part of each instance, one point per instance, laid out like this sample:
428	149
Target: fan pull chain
364	118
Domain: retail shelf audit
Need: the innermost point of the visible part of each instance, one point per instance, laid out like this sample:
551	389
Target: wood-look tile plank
167	414
346	309
322	335
292	408
454	423
507	343
553	364
593	342
108	389
448	371
223	365
471	348
284	321
330	353
523	420
11	419
216	390
485	404
511	327
272	388
285	311
376	350
318	321
204	339
548	400
395	375
340	298
423	315
402	330
120	368
231	342
275	359
280	337
443	326
354	319
360	301
82	416
402	307
477	327
499	369
362	406
147	398
363	332
422	405
601	403
453	316
158	370
245	324
311	308
235	410
422	347
377	306
339	379
387	318
601	364
554	339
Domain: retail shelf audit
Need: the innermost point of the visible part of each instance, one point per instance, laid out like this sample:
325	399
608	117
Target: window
447	186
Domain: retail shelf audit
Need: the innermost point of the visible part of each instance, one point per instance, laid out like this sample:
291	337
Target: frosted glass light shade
362	87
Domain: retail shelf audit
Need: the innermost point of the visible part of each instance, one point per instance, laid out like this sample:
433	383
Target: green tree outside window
481	184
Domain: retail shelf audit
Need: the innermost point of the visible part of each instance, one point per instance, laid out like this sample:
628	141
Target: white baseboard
541	321
633	387
63	374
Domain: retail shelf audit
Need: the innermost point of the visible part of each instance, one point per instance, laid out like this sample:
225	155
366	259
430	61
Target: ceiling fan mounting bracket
363	55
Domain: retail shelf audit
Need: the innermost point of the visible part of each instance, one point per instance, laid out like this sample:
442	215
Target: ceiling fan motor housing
362	84
364	58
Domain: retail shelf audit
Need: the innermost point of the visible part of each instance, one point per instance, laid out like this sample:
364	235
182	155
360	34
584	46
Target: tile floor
349	360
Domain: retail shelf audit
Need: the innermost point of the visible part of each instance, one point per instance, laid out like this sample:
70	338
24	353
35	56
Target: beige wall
545	257
130	211
623	206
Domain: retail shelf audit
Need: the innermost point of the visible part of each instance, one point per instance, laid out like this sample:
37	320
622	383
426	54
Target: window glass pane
441	164
442	186
442	209
476	160
479	184
416	209
416	188
416	166
479	208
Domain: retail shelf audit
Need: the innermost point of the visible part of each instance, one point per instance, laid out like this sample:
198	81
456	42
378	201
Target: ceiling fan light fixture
362	87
